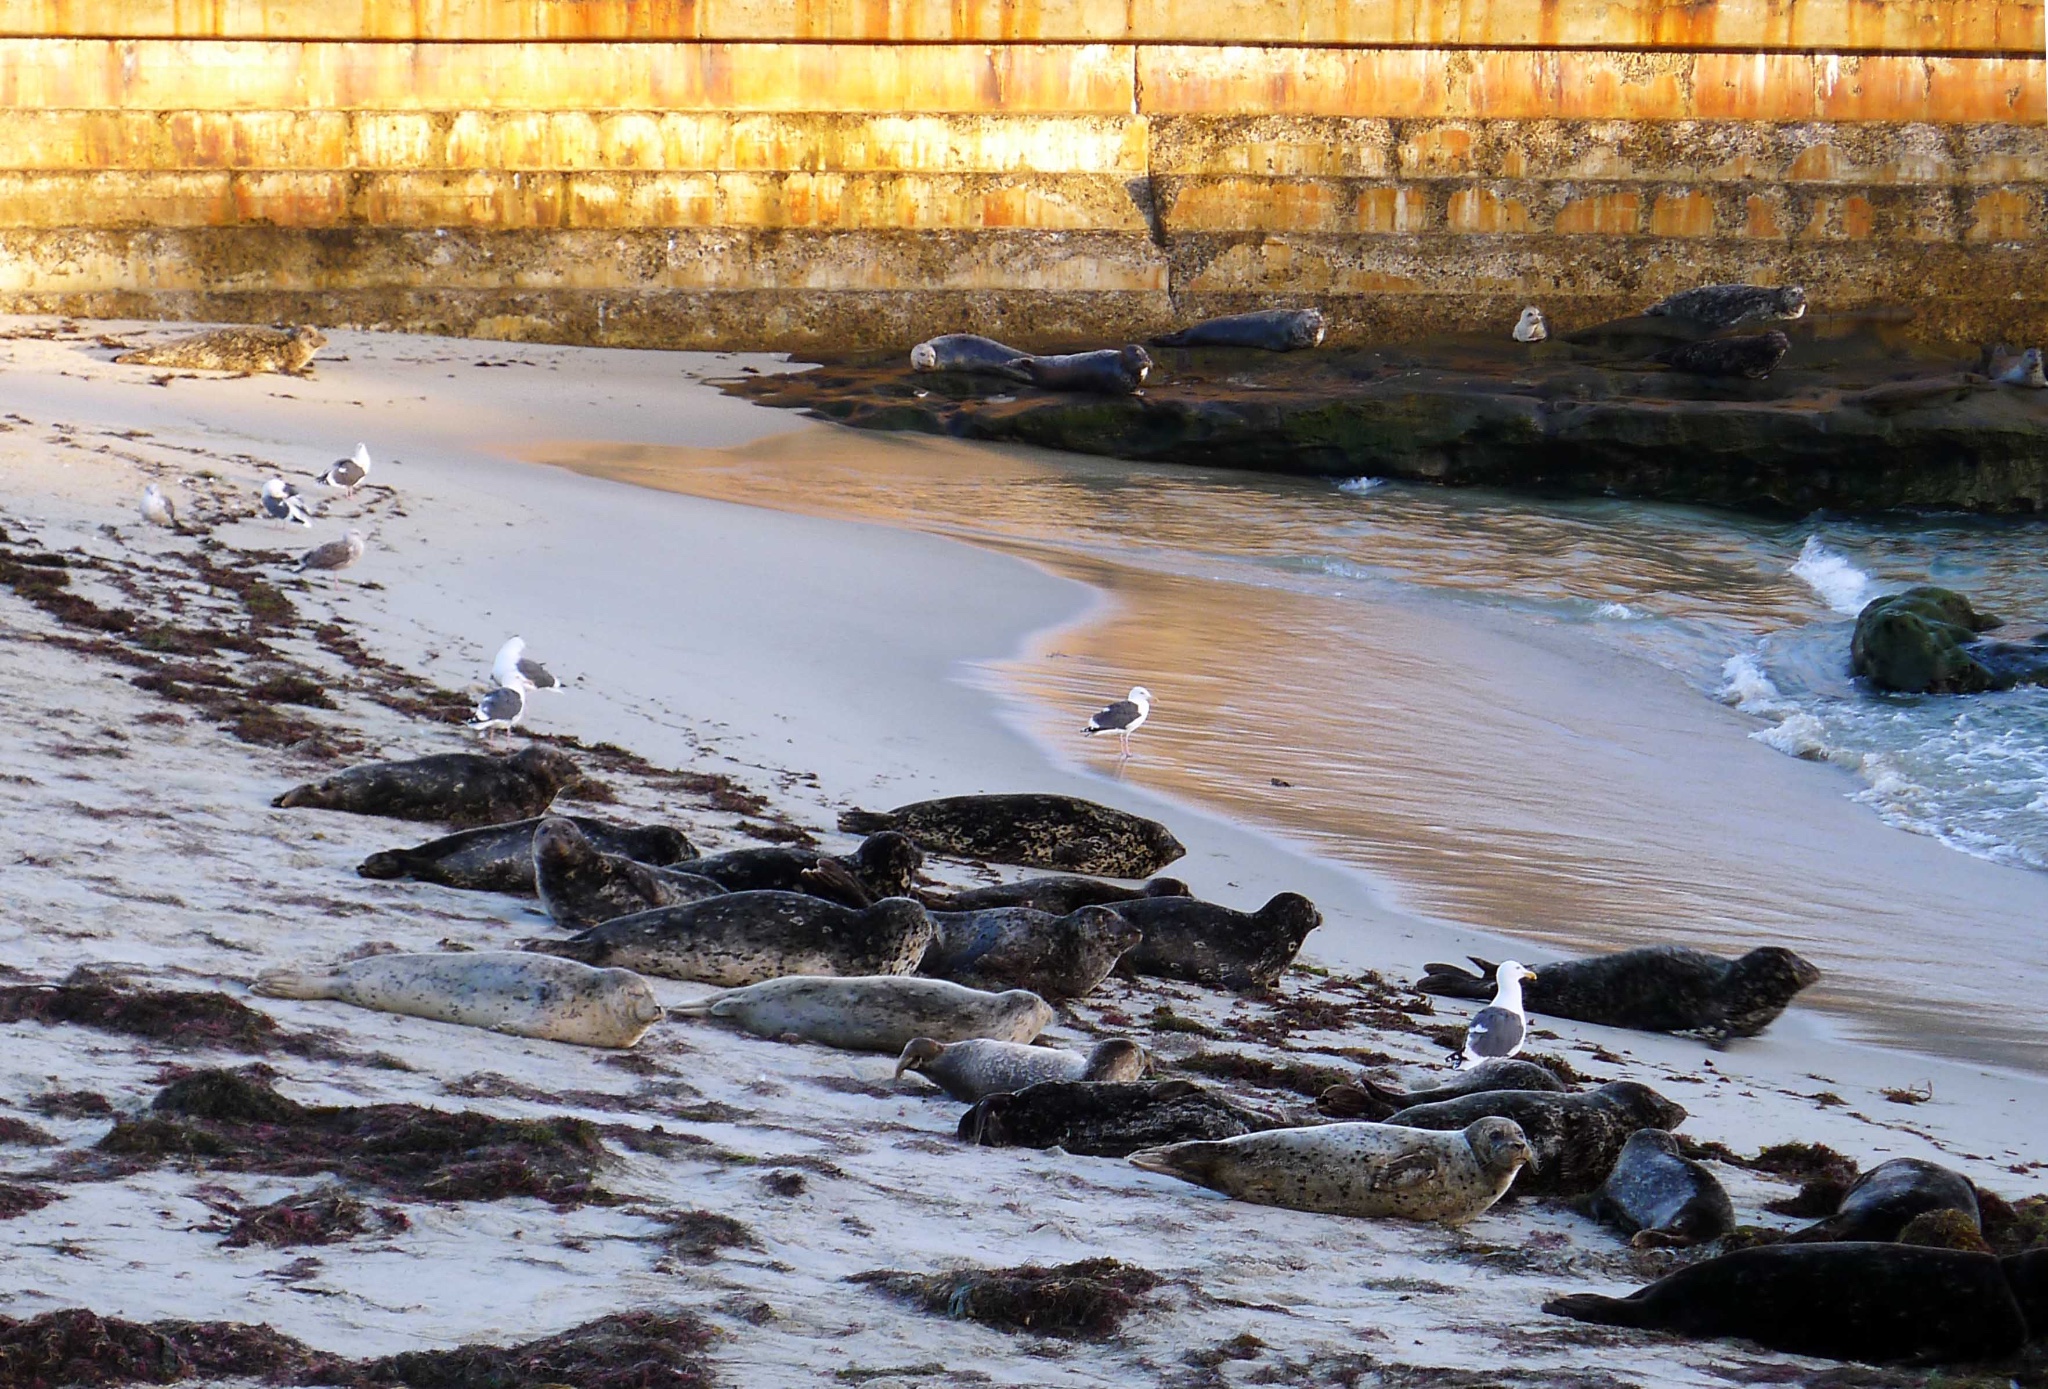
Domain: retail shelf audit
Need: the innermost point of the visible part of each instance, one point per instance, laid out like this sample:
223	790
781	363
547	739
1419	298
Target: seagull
335	554
282	502
1533	327
1496	1031
348	473
513	671
501	708
1124	717
157	508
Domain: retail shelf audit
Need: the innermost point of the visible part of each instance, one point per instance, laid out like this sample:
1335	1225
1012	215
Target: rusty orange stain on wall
1606	214
1690	213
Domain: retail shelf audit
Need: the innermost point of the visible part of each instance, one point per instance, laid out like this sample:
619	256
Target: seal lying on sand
1271	330
968	352
1754	356
1186	938
973	1069
503	990
1357	1169
1110	371
580	885
458	788
1017	948
1889	1195
1368	1099
877	1013
246	350
1868	1302
1728	306
885	865
1032	831
741	938
499	858
1108	1120
1577	1138
1661	1197
1058	894
1658	988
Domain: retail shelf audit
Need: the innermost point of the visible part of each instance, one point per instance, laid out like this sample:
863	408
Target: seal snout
917	1052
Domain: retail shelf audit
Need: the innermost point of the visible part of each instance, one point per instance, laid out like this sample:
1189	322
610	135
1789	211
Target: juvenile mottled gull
513	670
348	473
335	554
157	509
1496	1031
1124	717
501	708
282	502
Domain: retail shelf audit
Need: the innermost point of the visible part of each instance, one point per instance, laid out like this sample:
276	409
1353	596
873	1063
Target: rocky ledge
1850	421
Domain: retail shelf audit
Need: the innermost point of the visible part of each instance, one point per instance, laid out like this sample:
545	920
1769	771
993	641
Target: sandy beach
788	665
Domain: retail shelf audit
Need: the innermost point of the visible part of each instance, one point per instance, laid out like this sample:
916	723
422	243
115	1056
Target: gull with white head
157	508
512	670
1123	718
348	473
282	502
1496	1031
501	708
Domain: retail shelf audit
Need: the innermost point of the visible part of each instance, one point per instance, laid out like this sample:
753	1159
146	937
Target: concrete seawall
862	173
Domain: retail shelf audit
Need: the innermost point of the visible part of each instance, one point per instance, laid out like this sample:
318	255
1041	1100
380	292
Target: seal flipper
1453	981
1592	1307
292	983
834	882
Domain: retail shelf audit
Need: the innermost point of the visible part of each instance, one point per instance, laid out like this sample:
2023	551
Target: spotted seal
877	1013
1358	1169
1577	1138
245	350
741	938
1203	943
1055	957
1660	1197
1368	1099
1888	1196
457	788
1109	371
2024	370
1862	1301
1032	831
581	886
1270	330
1730	306
968	352
977	1068
503	990
885	865
1058	894
499	858
1532	326
1109	1119
1658	988
1754	355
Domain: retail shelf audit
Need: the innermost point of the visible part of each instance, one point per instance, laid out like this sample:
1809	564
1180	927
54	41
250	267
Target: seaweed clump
18	1198
1825	1177
633	1350
326	1216
1086	1299
75	1346
183	1017
2013	1227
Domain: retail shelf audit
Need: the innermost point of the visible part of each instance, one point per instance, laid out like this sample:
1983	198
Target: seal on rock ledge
499	858
1730	306
968	352
741	938
1032	831
1109	371
457	788
877	1013
1754	356
245	350
976	1068
1269	330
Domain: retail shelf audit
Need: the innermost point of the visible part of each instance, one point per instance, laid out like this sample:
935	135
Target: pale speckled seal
1109	1119
581	886
1203	943
1368	1099
1017	948
968	352
1532	326
1861	1301
1058	894
1032	831
250	350
1373	1170
885	865
1753	355
1108	371
503	990
1660	1197
877	1013
1270	330
2025	370
1658	988
1576	1137
742	938
457	788
1729	306
977	1068
1888	1196
499	858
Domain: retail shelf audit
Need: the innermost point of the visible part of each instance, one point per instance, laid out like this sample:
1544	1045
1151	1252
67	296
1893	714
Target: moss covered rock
1926	641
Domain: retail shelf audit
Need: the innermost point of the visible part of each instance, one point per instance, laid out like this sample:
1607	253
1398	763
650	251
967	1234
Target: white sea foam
1619	612
1357	485
1800	735
1840	584
1746	685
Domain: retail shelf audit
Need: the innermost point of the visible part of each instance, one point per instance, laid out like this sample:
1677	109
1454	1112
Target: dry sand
817	664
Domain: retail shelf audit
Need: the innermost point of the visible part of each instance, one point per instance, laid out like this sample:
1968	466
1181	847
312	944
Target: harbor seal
1187	938
1577	1138
1864	1301
1270	330
2025	371
1660	1197
457	788
1055	957
1532	326
741	938
1657	988
580	885
1368	1099
877	1013
1031	831
1730	306
968	352
977	1068
244	350
1110	371
1372	1170
885	865
1888	1196
1754	356
1058	894
503	990
499	858
1110	1119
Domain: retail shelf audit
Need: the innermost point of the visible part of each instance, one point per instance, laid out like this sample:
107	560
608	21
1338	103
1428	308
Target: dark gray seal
1888	1196
457	788
1660	1197
1059	894
1577	1137
1658	988
885	865
1730	306
1368	1099
1110	371
968	352
1032	831
1108	1120
976	1068
1055	957
499	858
1868	1302
743	938
1754	356
581	886
1270	330
1186	938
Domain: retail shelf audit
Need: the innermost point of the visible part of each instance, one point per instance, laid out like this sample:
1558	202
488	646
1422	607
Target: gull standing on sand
157	509
335	554
1124	717
348	473
501	708
1496	1031
282	502
513	671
